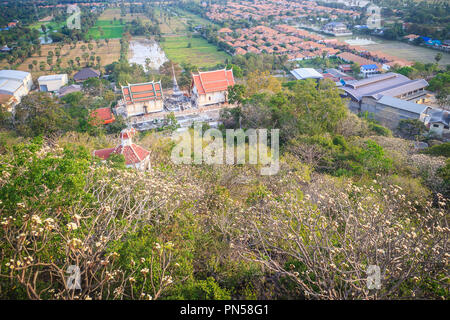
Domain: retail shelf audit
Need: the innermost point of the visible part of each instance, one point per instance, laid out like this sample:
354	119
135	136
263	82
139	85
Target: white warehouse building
52	82
15	83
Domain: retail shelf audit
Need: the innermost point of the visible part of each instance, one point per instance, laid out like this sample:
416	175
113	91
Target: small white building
306	73
211	87
52	83
369	69
15	83
439	122
336	29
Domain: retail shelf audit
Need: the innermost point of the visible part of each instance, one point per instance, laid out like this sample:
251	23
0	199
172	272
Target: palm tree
85	56
438	57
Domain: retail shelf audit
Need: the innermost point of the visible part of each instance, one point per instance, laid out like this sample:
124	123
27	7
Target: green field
201	53
51	25
111	29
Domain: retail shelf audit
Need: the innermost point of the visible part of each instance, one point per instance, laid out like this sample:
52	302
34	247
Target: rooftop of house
69	89
369	66
440	116
86	73
53	77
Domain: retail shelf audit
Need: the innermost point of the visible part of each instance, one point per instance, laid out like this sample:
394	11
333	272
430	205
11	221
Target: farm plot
106	29
108	53
199	53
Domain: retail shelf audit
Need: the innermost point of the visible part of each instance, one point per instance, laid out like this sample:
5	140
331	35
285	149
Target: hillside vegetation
345	198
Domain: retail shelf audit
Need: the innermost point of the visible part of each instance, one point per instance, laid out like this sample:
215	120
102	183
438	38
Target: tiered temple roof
140	92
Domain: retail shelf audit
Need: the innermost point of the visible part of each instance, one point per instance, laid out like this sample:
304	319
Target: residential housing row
298	44
282	11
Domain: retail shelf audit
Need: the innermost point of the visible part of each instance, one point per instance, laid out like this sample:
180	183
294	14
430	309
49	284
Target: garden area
107	29
194	50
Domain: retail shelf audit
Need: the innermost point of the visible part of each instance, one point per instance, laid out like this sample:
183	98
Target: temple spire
176	89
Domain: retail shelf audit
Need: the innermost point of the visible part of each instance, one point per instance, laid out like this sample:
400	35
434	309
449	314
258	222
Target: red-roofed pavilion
135	156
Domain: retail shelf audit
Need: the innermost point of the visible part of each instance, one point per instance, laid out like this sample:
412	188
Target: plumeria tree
62	213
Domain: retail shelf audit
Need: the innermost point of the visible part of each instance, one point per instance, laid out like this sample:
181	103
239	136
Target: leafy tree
39	114
236	93
116	161
258	81
411	128
438	57
373	158
440	150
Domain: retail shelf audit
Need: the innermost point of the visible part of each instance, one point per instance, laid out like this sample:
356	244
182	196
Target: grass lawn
179	24
172	25
201	53
49	24
111	29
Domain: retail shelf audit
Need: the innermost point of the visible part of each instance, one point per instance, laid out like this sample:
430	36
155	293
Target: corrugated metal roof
403	105
306	73
369	66
9	86
14	74
85	74
52	77
391	84
440	116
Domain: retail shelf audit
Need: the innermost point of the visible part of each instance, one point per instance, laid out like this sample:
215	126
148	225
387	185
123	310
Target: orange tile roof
103	114
132	153
142	92
225	30
213	81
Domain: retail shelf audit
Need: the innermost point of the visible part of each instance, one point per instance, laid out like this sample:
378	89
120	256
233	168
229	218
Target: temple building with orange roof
142	98
211	87
135	156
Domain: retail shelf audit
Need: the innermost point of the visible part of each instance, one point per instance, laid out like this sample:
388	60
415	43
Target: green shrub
380	130
439	150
